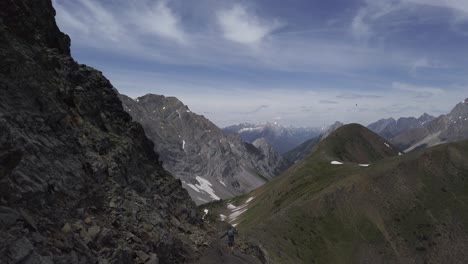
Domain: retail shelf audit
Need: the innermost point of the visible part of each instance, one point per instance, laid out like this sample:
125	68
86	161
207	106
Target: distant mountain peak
281	138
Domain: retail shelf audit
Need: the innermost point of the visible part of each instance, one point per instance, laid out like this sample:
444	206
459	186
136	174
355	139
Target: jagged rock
66	228
20	249
94	231
142	255
210	164
8	216
153	259
68	149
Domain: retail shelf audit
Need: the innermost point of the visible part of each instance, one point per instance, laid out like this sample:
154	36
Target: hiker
230	234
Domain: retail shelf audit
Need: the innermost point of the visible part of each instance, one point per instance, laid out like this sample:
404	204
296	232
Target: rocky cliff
210	164
79	181
445	128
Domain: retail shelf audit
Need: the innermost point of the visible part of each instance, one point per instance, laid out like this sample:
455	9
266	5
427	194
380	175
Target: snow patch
399	153
386	144
223	183
249	129
183	144
205	186
193	187
336	162
222	217
231	207
235	214
250	199
364	165
164	108
206	212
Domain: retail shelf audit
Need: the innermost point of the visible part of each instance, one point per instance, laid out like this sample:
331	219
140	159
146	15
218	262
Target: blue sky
298	62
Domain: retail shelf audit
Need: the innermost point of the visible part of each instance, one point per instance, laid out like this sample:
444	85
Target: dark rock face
281	138
210	164
79	181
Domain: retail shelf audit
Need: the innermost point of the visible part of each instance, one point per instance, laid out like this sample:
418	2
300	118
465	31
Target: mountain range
88	175
389	128
355	199
210	164
445	128
281	138
305	149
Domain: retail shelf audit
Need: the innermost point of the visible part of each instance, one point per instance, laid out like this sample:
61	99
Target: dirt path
219	253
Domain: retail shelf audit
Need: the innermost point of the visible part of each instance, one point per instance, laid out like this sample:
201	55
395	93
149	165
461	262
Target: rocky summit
210	164
79	181
451	127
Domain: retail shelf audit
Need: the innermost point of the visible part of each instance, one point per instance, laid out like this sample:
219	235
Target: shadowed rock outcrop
79	181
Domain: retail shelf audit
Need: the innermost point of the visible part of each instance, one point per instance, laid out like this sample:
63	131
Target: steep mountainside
388	128
446	128
306	148
210	164
403	209
79	181
281	138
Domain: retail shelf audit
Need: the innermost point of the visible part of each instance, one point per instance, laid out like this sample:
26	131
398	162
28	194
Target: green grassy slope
402	209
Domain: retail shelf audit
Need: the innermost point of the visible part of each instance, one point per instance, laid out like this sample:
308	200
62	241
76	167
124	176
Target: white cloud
240	26
94	25
375	11
159	19
359	27
456	5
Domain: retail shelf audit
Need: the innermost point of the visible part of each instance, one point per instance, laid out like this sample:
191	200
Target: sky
298	62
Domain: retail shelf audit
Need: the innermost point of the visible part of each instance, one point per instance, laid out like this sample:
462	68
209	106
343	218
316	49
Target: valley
262	172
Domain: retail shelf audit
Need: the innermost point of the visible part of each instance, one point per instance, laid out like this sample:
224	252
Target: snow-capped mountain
210	164
281	138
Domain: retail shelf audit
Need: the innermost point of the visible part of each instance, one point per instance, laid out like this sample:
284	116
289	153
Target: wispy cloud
240	25
419	92
158	19
327	102
357	96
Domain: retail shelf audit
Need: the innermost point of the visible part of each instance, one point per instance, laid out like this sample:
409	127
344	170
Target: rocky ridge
445	128
210	164
79	181
305	149
389	128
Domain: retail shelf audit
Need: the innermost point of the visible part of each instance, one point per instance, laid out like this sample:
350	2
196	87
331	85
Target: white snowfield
183	144
204	186
364	165
386	144
336	162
